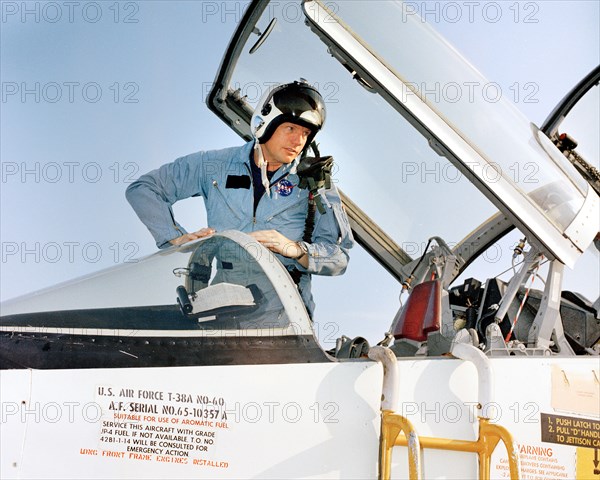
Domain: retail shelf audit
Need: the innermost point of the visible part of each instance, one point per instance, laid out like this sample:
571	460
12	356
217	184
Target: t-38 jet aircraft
176	367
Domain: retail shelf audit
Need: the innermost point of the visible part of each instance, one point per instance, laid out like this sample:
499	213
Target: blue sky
96	94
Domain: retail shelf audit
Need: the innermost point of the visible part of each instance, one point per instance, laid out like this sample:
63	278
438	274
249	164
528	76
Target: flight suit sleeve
153	194
332	238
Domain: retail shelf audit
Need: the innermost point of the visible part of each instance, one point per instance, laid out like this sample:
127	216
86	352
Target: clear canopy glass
474	107
224	282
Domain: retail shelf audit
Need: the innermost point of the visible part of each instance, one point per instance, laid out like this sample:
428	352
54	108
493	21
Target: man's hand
278	243
188	237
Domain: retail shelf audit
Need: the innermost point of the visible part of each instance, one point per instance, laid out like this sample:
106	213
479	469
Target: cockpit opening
526	314
226	285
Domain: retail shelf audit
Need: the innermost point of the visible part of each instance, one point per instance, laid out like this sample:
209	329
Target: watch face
303	248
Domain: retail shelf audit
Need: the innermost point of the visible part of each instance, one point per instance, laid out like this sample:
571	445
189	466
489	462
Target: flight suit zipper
252	196
271	184
216	185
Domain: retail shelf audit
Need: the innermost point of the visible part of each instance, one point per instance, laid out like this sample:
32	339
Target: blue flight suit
224	179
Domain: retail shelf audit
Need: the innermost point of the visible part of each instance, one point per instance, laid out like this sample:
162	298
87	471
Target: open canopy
423	144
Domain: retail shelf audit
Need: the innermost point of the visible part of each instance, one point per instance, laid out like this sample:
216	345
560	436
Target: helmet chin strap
262	164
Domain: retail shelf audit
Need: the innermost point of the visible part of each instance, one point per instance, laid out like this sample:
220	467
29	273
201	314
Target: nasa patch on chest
284	188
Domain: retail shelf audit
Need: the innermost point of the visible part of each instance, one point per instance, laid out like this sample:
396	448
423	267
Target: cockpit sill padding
63	351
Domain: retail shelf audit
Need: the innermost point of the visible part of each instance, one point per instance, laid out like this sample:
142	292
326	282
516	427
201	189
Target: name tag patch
238	181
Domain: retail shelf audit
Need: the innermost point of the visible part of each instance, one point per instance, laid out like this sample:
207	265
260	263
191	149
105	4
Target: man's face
285	145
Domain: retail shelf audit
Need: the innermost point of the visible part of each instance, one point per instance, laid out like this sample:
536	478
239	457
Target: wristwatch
304	248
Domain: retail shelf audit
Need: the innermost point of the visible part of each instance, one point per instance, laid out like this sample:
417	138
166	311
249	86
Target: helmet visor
302	103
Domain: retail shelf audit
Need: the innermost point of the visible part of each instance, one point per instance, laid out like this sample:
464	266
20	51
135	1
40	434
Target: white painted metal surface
272	421
290	421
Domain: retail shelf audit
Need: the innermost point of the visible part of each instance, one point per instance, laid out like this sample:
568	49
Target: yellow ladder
392	425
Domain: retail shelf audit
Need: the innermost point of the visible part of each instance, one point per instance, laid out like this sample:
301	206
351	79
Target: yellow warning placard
578	432
588	464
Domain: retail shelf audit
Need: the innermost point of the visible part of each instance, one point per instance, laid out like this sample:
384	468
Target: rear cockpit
525	313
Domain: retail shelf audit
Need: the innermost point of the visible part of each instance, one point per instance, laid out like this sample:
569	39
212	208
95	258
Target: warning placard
160	426
578	432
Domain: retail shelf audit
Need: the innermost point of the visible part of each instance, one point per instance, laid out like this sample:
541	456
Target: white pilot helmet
296	102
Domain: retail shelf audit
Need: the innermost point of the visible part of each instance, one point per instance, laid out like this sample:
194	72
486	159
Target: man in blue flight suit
254	189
